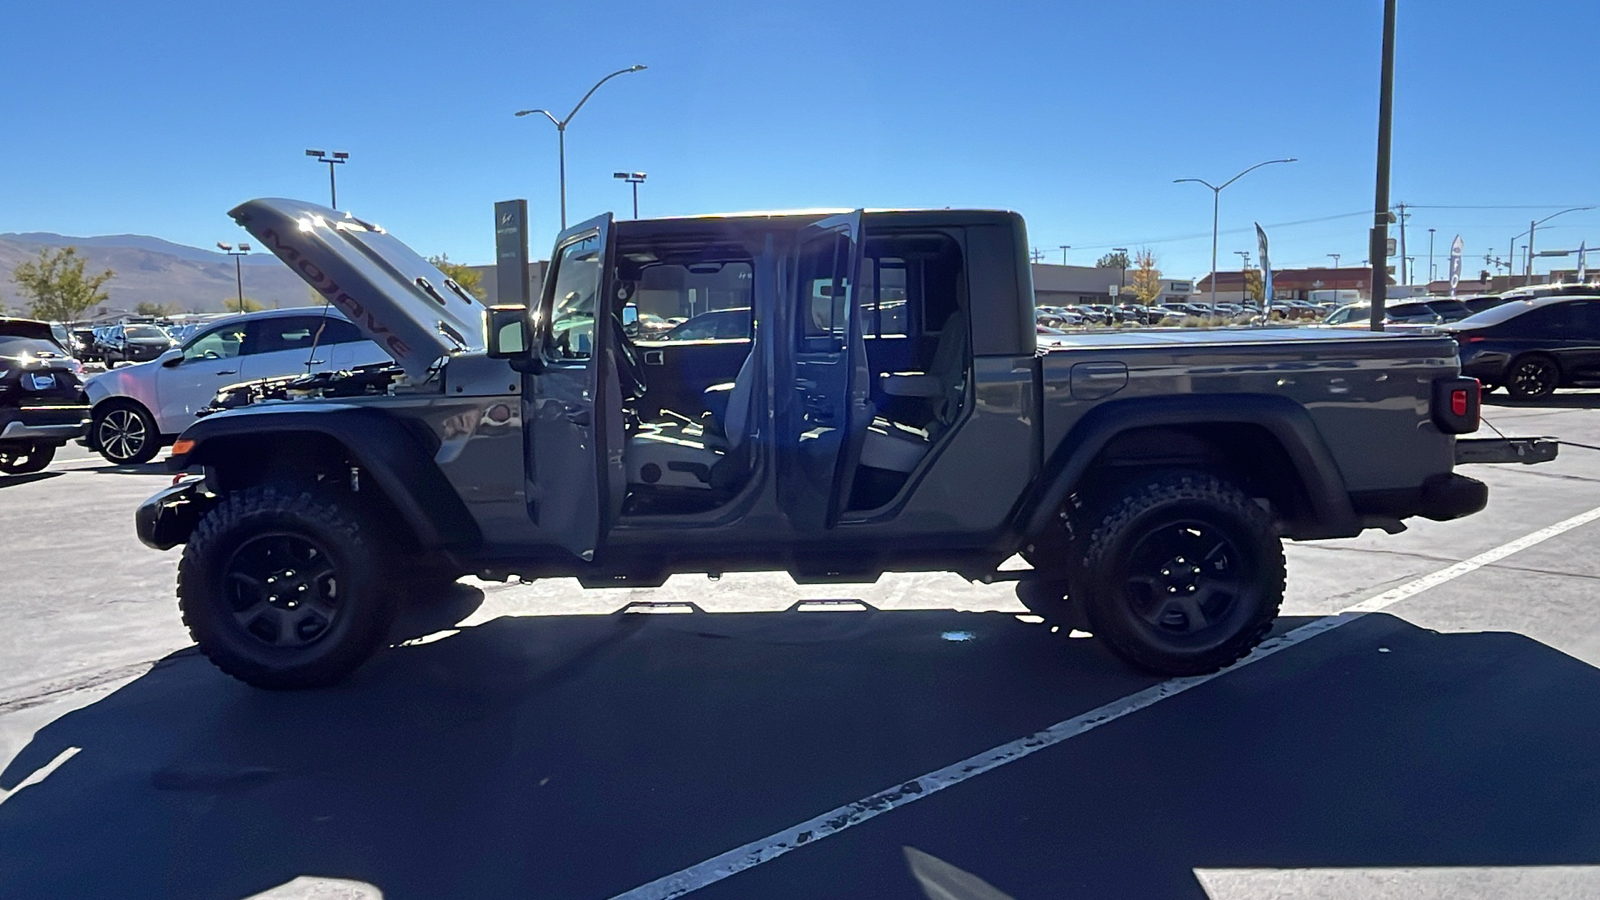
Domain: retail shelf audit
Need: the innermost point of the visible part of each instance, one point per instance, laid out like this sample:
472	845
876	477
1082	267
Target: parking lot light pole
1244	282
1122	283
561	131
1335	276
336	158
635	179
1216	202
1528	274
238	270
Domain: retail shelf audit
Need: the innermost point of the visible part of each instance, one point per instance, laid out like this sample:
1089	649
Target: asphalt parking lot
754	738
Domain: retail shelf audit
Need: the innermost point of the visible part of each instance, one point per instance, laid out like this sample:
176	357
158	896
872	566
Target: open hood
399	300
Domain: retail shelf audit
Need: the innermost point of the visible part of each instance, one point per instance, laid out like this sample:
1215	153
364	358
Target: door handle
655	357
227	372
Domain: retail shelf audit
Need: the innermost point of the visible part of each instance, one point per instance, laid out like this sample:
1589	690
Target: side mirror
171	357
508	334
630	315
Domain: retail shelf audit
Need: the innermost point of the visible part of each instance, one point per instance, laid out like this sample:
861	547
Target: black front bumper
168	518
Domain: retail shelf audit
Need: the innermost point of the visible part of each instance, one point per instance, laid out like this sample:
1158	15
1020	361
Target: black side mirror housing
508	335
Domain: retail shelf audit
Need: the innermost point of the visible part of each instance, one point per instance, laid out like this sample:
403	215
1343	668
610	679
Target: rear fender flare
1331	512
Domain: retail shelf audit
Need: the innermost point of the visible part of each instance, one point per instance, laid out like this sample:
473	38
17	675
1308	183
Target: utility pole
1405	274
1244	279
1064	249
1036	255
1380	205
1430	256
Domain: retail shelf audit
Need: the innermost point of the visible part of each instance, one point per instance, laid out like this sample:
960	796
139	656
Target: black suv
135	343
42	404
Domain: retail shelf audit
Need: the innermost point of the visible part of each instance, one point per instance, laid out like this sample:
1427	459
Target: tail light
1457	403
1473	339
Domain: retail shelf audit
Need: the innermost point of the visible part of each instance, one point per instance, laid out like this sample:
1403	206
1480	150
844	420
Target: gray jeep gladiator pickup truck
876	401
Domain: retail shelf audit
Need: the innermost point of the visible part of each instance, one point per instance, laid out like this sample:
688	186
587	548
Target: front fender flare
394	456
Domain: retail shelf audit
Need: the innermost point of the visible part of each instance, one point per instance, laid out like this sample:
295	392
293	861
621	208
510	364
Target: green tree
1118	260
468	278
56	287
1146	279
147	308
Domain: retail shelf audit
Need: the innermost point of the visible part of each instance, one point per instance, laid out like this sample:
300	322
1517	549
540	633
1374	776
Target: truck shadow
29	478
581	756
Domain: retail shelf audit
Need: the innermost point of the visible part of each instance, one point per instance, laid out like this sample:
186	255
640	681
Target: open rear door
564	409
826	410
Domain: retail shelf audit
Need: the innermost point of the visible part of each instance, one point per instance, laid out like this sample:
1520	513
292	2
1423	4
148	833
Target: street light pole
1430	256
1216	202
238	270
561	131
336	158
1335	275
1532	227
1122	283
635	179
1379	238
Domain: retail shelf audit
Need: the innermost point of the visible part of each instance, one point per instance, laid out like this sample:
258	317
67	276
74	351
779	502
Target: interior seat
900	446
678	452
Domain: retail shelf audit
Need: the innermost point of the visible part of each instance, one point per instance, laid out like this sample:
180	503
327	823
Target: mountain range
152	270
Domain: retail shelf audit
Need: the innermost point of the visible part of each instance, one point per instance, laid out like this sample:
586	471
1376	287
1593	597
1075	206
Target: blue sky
157	118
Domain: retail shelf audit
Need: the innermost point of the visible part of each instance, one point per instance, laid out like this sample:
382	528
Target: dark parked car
716	325
42	404
1532	347
135	343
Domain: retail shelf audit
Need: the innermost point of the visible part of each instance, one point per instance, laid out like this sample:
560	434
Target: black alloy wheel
1184	578
125	435
26	458
1182	574
282	590
286	589
1532	377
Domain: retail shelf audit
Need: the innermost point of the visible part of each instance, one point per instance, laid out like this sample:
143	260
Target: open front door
564	407
826	411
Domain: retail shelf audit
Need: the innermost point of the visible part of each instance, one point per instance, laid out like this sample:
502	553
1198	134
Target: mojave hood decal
399	300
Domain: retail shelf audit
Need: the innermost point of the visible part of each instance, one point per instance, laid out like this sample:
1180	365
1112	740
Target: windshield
706	301
145	331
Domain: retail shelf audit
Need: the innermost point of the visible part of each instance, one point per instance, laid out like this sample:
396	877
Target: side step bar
1506	450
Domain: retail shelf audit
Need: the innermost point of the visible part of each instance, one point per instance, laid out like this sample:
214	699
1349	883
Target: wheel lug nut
1172	590
1166	572
1191	588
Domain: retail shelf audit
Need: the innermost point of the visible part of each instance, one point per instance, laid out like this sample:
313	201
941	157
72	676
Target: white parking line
836	820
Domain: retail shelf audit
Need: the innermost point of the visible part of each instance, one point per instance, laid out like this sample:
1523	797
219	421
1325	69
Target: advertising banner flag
1455	264
1266	268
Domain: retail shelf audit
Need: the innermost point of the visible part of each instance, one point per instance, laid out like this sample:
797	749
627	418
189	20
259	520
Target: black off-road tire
213	593
1532	376
129	428
28	460
1161	620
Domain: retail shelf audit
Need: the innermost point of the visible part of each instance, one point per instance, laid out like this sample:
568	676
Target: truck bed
1360	388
